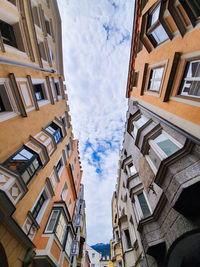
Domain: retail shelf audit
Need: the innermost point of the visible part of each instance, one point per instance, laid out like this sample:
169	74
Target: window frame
55	133
54	228
163	64
181	82
158	151
42	210
26	167
139	212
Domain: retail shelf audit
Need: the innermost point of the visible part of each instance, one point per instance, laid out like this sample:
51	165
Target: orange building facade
40	171
159	162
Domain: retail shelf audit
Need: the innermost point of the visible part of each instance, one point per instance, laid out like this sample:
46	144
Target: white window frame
160	153
60	95
137	126
68	245
5	115
138	208
44	101
45	204
62	167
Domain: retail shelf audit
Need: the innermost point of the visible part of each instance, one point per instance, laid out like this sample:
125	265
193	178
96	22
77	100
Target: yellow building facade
40	171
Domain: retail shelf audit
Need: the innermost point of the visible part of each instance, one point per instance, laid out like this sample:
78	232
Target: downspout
16	63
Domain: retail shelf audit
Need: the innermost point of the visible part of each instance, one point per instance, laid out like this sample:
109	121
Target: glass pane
154	158
166	144
26	177
26	153
132	170
141	121
52	221
61	228
159	34
35	164
193	69
19	157
158	73
50	130
155	15
143	205
57	136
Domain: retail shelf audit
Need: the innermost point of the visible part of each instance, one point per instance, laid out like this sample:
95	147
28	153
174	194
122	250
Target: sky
96	49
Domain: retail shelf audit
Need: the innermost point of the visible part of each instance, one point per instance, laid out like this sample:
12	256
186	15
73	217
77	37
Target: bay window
155	31
57	224
138	123
55	130
25	163
161	147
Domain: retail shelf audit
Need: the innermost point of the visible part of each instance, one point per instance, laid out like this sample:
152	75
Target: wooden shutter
42	19
42	51
2	44
144	78
47	52
26	31
49	90
16	94
61	87
54	88
52	30
18	36
32	92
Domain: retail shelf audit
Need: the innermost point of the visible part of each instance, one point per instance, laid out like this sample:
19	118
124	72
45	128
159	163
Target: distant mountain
102	248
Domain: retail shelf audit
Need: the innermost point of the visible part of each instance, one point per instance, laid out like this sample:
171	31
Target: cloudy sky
96	49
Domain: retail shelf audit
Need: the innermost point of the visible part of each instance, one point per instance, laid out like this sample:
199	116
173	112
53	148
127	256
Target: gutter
17	63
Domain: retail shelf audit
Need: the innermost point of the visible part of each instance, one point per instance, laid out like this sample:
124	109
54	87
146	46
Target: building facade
115	243
40	171
160	159
94	256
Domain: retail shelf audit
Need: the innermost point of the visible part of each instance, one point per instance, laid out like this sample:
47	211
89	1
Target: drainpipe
16	63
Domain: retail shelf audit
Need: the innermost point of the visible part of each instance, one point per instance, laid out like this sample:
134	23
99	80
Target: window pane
159	34
26	177
68	243
143	205
191	82
166	144
35	163
61	228
52	221
155	15
38	91
26	153
154	157
141	121
155	79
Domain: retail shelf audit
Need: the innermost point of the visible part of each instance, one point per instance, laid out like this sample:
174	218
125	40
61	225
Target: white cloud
96	48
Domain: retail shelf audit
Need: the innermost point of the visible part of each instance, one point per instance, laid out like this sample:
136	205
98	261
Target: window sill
193	102
43	102
6	115
14	50
152	93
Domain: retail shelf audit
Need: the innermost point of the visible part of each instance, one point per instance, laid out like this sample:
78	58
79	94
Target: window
143	204
24	162
74	160
68	243
4	100
127	239
117	236
93	255
192	8
57	88
57	224
131	169
64	192
39	91
138	123
135	78
160	148
38	206
55	130
63	119
59	165
92	265
7	34
41	204
155	31
190	85
155	79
